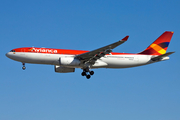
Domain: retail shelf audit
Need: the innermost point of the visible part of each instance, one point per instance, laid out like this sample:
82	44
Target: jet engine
69	61
61	69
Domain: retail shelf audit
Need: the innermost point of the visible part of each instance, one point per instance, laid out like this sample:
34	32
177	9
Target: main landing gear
23	66
85	71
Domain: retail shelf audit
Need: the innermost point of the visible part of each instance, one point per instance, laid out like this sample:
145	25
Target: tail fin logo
160	48
160	45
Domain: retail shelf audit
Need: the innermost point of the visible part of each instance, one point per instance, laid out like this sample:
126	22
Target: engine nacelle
61	69
71	61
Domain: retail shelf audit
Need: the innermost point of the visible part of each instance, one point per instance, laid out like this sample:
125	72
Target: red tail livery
159	46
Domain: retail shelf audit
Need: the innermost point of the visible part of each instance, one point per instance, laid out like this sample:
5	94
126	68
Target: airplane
65	60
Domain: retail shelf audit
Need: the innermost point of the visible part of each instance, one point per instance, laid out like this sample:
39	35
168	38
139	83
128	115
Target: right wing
92	56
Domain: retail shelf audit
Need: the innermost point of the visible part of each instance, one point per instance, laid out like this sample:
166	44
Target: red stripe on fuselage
57	51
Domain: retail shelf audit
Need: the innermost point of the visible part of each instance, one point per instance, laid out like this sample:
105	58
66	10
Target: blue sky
149	92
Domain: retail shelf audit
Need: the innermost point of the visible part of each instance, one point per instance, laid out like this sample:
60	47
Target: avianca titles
66	61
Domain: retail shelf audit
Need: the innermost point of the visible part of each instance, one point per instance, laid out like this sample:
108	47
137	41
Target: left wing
92	56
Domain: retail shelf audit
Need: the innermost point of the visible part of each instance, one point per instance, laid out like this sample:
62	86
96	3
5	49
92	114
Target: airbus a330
66	61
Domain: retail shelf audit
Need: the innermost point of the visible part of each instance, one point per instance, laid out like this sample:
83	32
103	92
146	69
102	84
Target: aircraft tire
91	73
23	67
88	76
83	73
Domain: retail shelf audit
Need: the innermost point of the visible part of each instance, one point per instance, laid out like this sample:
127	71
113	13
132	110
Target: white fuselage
108	61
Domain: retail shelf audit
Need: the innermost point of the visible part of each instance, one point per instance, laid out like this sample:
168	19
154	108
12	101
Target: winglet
125	38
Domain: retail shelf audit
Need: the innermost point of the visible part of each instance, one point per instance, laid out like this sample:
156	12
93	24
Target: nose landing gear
23	66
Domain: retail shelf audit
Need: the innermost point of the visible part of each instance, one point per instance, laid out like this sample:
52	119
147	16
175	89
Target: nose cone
7	55
13	56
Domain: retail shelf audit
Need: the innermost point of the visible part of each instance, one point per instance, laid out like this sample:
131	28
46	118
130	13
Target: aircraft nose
8	55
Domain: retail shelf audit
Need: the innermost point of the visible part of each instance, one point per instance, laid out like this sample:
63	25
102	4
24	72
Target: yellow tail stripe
158	48
162	51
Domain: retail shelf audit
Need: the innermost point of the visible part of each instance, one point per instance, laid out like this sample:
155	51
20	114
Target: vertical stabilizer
160	45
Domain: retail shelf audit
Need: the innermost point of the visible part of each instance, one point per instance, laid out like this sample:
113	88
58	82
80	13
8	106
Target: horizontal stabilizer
161	56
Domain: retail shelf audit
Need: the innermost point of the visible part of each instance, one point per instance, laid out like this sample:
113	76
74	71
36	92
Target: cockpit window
12	51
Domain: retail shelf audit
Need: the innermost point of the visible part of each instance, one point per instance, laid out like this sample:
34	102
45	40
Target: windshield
12	51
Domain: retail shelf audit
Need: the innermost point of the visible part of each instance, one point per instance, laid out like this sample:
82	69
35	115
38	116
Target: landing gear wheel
88	76
91	72
83	73
23	67
86	72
